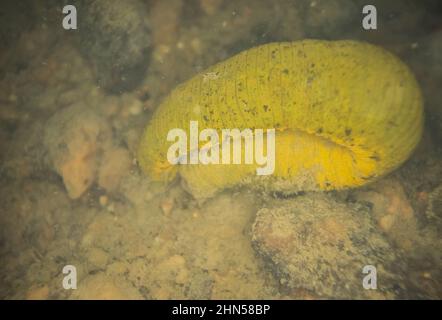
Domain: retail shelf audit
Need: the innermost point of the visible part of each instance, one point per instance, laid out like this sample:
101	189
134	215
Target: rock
73	137
23	154
139	190
38	293
210	7
98	258
103	200
434	210
36	207
104	287
165	18
115	164
315	244
167	206
118	268
176	265
115	37
392	211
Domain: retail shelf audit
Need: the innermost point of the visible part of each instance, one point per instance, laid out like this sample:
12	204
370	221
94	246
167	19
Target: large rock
115	37
312	243
74	137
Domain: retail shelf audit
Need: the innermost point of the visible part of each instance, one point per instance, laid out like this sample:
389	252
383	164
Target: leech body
345	113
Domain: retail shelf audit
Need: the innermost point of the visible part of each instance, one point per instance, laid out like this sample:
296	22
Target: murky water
77	211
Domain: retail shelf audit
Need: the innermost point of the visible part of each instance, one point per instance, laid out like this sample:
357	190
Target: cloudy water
298	169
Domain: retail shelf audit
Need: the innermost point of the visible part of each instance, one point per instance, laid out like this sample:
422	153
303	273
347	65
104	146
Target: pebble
38	293
167	206
103	200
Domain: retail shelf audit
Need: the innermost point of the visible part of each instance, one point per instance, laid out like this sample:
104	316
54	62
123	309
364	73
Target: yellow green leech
345	113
